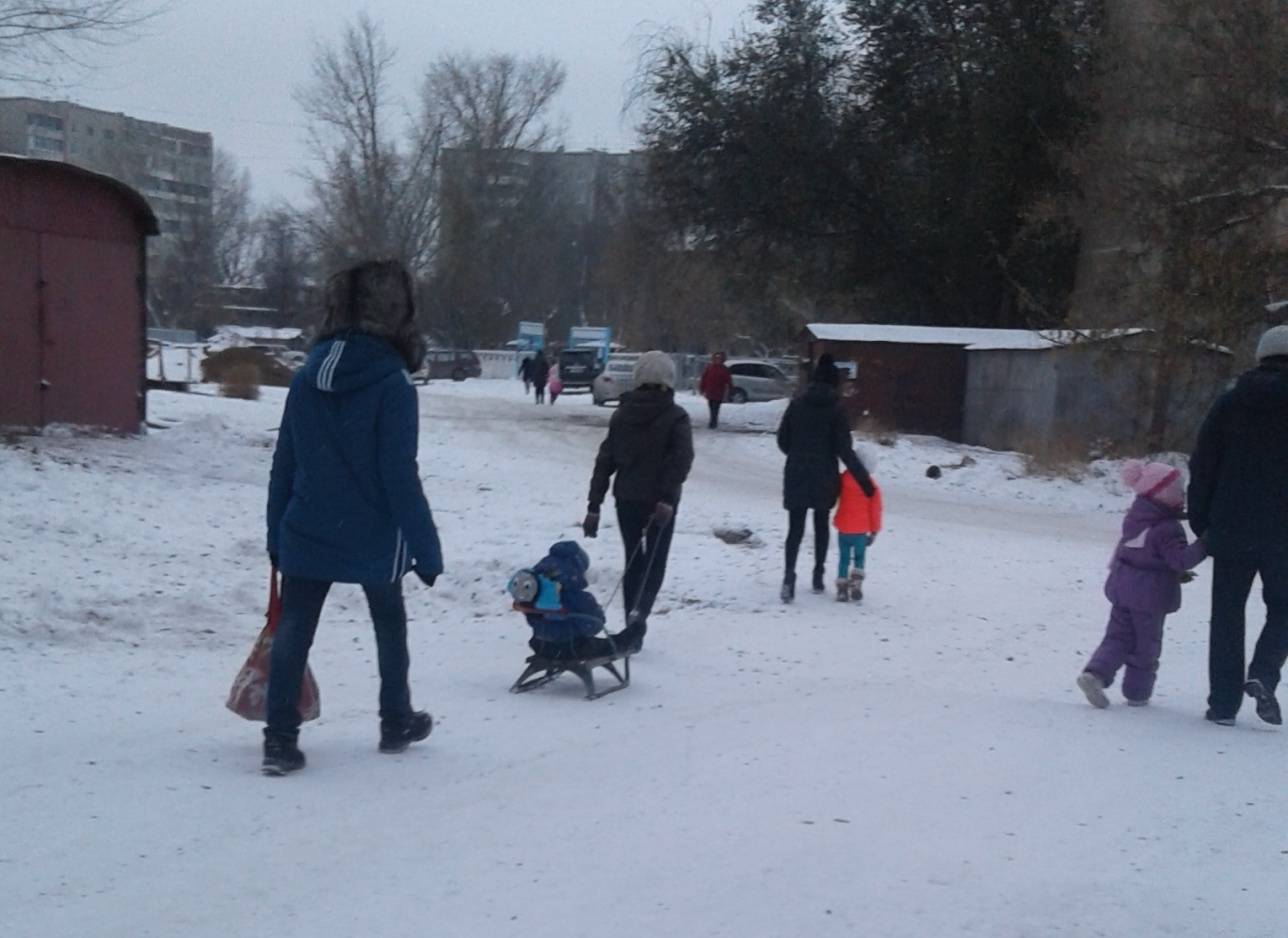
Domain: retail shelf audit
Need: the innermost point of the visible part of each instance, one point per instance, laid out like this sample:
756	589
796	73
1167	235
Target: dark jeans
714	407
541	393
633	520
302	602
796	532
1231	583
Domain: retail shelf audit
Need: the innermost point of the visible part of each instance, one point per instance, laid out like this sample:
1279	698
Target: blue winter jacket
581	615
345	503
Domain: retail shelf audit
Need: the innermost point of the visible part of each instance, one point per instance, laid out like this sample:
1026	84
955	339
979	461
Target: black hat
825	371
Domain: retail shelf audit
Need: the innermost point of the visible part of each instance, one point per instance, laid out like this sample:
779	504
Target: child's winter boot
1091	685
856	585
843	590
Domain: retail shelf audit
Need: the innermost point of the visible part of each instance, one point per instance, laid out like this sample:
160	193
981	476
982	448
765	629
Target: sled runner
583	667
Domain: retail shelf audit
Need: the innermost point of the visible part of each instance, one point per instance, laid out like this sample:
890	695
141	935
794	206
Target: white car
757	380
616	379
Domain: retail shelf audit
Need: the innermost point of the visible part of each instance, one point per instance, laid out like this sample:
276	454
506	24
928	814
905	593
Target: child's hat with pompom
1156	480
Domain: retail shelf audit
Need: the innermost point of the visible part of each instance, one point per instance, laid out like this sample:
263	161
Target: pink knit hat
1155	480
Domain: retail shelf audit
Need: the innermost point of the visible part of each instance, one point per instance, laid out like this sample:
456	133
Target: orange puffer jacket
856	513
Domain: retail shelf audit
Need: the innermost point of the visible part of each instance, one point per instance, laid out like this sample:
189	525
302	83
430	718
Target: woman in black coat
814	434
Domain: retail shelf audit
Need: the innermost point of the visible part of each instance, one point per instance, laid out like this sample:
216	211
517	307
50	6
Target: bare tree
281	262
376	192
232	222
1187	181
35	34
510	247
497	102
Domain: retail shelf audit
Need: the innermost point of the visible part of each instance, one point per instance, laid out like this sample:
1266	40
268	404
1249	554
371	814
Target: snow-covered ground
919	765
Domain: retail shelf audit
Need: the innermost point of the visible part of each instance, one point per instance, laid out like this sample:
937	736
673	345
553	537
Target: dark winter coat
525	369
814	434
540	373
1145	572
1239	470
345	502
649	448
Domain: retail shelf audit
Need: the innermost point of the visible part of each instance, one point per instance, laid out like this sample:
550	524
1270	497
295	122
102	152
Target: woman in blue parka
345	503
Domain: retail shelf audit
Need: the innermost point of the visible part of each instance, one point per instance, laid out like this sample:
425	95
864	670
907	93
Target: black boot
817	585
1267	706
788	592
396	737
630	640
281	754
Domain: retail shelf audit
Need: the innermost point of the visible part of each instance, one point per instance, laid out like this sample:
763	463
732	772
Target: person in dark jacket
345	503
525	372
540	375
814	434
1239	505
714	386
649	448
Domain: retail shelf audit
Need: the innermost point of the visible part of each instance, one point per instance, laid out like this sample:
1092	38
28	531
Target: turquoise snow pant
851	547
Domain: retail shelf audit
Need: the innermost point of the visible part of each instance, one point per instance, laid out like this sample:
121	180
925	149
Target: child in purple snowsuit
1144	584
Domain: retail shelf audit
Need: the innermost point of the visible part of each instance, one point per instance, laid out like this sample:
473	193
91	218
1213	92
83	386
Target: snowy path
921	765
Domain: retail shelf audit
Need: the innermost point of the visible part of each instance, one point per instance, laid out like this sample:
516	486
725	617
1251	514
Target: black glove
590	526
427	578
663	515
272	558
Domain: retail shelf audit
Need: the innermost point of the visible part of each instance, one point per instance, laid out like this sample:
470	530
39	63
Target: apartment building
171	166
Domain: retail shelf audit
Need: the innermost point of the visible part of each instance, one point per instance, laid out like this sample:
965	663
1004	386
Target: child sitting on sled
565	618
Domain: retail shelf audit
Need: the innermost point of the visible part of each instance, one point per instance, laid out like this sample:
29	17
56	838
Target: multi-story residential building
591	186
171	166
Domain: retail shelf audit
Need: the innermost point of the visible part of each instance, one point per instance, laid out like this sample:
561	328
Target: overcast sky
229	66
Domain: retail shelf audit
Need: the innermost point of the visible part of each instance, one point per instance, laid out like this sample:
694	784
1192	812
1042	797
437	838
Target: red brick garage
73	276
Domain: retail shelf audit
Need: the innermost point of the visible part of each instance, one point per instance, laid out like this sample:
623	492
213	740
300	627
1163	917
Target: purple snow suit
1144	586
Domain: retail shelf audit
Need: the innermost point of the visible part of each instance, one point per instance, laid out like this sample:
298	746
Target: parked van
456	364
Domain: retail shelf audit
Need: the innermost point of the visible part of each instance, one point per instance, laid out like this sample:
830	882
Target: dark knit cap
825	371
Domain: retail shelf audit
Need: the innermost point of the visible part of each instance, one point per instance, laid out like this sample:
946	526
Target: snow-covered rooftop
261	333
973	340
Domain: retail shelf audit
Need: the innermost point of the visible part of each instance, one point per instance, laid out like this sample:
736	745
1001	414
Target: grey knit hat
655	368
1274	344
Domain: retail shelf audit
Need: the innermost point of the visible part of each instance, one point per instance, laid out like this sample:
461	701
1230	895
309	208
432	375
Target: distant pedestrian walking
525	372
714	385
556	385
1144	585
1239	505
814	434
540	375
858	522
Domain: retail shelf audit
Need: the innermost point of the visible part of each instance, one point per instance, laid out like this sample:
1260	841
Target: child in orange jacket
858	521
